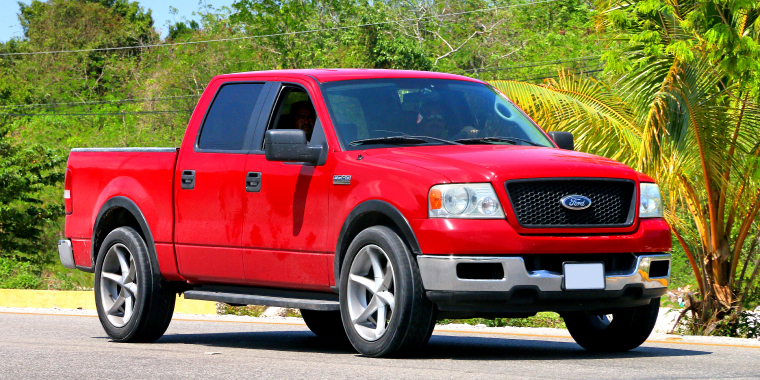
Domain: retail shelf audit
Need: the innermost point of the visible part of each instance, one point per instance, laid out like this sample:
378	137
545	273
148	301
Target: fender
384	208
129	205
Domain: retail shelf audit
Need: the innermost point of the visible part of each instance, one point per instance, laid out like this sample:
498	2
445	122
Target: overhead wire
546	75
529	64
527	3
130	100
161	98
97	113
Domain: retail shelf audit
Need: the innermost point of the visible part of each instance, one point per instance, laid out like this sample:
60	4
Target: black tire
413	317
629	328
153	305
325	324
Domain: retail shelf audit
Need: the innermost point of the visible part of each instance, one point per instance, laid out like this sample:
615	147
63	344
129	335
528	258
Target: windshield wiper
405	139
512	140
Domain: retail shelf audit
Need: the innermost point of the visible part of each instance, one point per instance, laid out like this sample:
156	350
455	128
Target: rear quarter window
228	117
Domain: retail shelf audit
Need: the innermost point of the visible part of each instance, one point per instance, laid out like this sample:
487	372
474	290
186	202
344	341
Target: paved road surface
63	347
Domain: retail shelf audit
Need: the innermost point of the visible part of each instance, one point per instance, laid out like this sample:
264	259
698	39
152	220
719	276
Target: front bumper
521	291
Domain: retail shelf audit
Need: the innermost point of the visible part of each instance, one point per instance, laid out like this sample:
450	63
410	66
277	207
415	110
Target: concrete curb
85	300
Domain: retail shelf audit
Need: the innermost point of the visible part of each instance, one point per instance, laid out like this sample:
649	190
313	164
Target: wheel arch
118	212
367	214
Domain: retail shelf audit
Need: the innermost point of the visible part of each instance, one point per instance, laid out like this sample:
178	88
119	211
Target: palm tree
699	138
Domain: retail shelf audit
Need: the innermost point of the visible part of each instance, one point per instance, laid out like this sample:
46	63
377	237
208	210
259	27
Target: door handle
253	182
187	180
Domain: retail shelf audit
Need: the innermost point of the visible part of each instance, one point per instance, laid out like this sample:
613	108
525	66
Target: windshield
433	111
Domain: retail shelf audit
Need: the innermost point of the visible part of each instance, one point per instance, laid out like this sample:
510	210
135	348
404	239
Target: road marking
443	331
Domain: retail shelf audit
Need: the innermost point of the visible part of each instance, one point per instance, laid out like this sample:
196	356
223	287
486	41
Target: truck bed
143	175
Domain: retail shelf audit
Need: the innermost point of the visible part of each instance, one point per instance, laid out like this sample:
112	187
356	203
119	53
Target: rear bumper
521	291
66	253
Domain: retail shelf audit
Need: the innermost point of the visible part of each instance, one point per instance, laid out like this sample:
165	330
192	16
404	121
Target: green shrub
249	310
18	275
544	319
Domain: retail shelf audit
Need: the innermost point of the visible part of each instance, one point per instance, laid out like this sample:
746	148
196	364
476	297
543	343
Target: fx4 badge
341	180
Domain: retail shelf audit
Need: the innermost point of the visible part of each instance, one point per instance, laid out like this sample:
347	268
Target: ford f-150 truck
376	201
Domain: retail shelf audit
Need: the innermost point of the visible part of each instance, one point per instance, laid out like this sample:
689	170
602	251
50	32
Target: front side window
228	117
294	110
426	112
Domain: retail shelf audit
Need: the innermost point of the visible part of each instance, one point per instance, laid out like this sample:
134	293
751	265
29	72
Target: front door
211	183
285	229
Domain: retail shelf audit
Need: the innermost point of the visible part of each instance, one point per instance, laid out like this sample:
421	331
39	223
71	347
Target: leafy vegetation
681	106
543	319
26	172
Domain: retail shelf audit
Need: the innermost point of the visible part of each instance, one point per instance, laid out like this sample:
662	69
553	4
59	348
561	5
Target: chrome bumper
439	273
66	253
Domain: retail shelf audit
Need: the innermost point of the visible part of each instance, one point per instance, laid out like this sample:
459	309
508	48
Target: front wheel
623	330
134	303
383	306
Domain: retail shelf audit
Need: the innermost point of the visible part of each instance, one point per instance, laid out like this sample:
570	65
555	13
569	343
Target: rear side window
227	120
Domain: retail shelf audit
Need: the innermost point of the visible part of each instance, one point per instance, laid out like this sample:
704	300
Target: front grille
536	203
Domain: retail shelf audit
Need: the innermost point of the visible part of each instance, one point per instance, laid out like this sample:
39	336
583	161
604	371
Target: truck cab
376	201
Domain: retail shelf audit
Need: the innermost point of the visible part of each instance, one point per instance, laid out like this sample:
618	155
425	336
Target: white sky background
10	27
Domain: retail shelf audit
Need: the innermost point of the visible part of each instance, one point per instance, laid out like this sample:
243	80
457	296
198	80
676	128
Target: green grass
249	311
18	275
21	275
544	319
56	277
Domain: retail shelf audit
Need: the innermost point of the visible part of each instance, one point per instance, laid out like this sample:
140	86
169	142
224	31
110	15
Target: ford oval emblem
575	202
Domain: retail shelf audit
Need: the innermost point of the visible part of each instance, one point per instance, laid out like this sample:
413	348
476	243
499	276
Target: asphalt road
63	347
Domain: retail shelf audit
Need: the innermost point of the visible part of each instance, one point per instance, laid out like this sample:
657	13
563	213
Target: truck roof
331	75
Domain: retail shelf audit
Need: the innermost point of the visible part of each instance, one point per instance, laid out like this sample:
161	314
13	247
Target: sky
10	27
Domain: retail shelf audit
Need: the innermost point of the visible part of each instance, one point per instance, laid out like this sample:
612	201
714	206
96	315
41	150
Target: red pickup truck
376	201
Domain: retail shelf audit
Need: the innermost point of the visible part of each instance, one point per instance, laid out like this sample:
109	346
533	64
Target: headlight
466	201
650	204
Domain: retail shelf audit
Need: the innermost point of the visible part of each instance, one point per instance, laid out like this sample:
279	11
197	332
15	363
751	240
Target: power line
94	114
187	111
280	34
138	100
554	76
529	64
135	100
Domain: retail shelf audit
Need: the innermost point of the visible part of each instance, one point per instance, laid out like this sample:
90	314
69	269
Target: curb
85	300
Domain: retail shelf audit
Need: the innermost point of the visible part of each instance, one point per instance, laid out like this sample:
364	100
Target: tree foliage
26	172
683	110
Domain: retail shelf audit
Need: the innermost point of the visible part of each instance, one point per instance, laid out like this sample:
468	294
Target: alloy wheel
371	288
118	285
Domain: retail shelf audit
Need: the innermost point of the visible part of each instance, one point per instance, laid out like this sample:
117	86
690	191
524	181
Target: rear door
285	229
211	183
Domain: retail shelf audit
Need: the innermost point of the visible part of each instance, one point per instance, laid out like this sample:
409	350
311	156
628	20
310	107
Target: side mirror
290	145
564	140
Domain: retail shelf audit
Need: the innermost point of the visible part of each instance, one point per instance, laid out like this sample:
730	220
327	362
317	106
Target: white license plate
586	276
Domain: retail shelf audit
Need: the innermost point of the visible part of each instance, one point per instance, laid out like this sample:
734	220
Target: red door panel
210	217
285	269
285	232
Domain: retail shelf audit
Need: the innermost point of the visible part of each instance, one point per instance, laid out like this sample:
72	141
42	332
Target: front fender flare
384	208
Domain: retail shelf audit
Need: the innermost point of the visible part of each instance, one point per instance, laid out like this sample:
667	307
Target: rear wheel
134	303
622	330
385	311
325	324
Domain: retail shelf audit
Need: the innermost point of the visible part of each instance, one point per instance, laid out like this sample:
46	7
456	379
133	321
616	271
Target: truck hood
486	163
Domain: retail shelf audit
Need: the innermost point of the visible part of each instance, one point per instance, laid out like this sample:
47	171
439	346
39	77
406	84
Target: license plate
586	276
